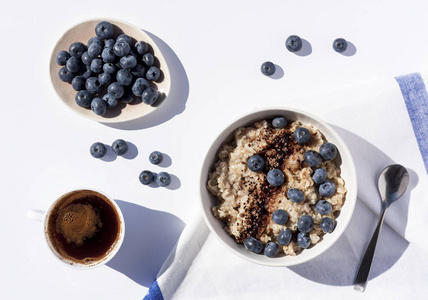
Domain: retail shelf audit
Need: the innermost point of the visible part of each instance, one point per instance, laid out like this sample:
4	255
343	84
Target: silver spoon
393	182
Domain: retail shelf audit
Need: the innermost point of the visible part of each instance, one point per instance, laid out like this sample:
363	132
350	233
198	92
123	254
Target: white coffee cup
73	197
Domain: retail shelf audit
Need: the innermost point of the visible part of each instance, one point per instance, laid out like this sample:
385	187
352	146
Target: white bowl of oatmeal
238	203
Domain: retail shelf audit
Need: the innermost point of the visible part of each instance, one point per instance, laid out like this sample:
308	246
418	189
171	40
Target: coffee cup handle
36	215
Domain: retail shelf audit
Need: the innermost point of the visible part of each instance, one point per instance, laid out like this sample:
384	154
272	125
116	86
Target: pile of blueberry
275	177
108	70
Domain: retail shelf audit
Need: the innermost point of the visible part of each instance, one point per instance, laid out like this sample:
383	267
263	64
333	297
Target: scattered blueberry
284	237
78	83
140	85
268	68
110	100
77	49
293	43
271	249
127	97
93	85
148	59
303	240
65	75
279	122
305	223
163	179
146	177
109	68
98	150
83	98
62	57
295	195
340	45
150	95
312	158
319	176
121	49
104	30
99	106
275	177
116	90
302	135
253	245
124	77
256	163
280	217
120	147
128	61
141	47
328	151
108	55
327	189
323	207
156	157
105	78
109	43
327	225
124	38
97	65
153	73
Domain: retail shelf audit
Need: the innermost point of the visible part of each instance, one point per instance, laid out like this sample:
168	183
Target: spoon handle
366	263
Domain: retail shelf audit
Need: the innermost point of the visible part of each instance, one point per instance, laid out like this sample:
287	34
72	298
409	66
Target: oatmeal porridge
247	198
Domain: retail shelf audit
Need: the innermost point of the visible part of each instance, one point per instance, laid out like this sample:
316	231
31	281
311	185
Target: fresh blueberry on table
295	195
124	38
116	90
93	85
340	45
104	30
312	158
303	240
146	177
83	98
271	249
323	207
108	55
78	83
127	97
124	77
328	151
284	237
156	157
327	189
256	163
302	135
121	49
77	49
327	225
99	106
280	217
140	85
141	47
148	59
86	59
293	43
73	64
268	68
150	95
319	175
109	43
305	223
120	147
97	65
95	40
65	75
253	245
62	57
95	50
109	68
275	177
279	122
163	179
98	150
128	61
153	73
105	78
110	100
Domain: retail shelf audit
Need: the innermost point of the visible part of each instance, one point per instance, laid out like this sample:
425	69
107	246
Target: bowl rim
213	224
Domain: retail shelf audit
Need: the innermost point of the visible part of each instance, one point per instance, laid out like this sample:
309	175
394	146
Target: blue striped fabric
416	98
154	292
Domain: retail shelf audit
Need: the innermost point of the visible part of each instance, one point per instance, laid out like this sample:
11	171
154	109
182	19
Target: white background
216	49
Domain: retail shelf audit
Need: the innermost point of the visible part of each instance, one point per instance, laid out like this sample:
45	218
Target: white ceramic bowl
344	160
82	33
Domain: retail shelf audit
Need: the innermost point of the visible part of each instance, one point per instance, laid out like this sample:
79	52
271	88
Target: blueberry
284	237
104	30
146	177
95	40
327	225
327	189
83	98
65	75
124	38
163	179
279	122
328	151
150	95
303	240
124	77
88	73
62	57
86	59
295	195
98	150
253	245
127	97
116	90
256	163
109	43
323	207
128	62
140	85
319	176
108	55
138	71
110	100
271	249
268	68
155	157
78	83
93	85
275	177
73	64
120	147
302	135
148	59
121	48
99	106
312	158
153	73
293	43
141	47
77	49
97	65
305	223
280	217
95	50
340	45
105	78
109	68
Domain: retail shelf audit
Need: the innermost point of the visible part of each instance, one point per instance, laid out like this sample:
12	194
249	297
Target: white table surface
216	49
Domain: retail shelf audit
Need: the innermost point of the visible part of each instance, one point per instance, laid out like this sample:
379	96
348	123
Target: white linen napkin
382	123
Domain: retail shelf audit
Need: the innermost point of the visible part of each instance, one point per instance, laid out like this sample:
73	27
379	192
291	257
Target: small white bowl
82	33
348	173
